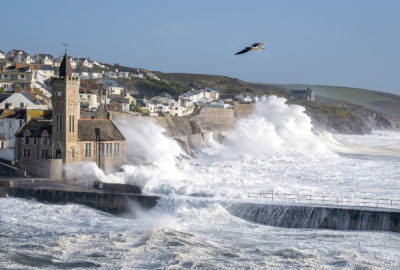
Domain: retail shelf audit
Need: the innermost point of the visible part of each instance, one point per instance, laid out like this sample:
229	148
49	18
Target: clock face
59	93
71	94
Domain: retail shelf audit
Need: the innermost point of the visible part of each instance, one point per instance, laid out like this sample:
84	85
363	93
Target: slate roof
111	83
13	68
4	97
16	114
36	127
108	131
44	55
121	100
46	67
299	92
86	129
29	96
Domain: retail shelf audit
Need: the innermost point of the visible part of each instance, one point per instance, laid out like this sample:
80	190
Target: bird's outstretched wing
258	44
245	50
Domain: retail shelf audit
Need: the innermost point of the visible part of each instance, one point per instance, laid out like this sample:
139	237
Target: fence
327	199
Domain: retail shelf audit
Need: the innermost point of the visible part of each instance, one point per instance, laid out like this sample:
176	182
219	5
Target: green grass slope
383	102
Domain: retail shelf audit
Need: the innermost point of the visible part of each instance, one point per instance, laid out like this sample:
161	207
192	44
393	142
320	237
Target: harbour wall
194	131
319	217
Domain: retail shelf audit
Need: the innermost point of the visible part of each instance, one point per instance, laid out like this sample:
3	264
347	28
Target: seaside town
28	133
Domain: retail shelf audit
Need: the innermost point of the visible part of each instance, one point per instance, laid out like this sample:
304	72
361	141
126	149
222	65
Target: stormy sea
275	150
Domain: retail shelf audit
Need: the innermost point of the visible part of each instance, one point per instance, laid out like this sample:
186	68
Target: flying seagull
254	47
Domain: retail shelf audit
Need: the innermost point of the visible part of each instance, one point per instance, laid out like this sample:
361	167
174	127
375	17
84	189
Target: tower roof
65	67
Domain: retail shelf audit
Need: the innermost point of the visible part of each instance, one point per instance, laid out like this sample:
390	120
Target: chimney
28	116
19	65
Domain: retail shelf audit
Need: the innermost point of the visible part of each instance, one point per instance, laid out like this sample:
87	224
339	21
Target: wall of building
46	168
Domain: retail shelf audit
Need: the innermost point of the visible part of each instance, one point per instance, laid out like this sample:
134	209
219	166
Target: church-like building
44	147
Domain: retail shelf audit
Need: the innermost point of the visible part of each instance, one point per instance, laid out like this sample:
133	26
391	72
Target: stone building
307	95
65	138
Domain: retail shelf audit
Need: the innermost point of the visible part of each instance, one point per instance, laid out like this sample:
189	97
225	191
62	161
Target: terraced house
16	77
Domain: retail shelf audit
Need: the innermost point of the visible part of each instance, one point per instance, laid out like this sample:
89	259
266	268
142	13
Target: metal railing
326	199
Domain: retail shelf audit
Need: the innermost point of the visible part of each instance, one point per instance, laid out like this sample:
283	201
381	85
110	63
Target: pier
113	198
293	212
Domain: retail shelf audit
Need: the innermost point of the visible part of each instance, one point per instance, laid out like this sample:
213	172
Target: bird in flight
255	47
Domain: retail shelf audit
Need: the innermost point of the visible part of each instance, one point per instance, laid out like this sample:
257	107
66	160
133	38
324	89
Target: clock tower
66	111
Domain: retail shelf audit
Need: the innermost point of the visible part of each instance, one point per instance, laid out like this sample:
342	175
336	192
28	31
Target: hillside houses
15	77
43	59
202	95
112	87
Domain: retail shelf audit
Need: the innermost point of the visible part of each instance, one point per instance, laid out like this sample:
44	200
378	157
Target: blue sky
342	42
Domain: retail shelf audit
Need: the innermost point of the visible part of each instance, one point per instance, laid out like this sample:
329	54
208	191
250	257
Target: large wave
274	128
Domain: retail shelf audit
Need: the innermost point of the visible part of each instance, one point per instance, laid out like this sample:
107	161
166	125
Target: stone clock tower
66	112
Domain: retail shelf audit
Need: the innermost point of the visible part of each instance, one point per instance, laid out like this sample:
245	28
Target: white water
275	149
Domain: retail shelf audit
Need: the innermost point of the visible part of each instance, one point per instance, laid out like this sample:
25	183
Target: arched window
58	153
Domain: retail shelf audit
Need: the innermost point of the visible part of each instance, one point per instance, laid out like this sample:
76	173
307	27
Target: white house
95	63
46	90
9	124
23	100
43	59
88	100
45	71
111	74
113	87
23	57
124	74
95	75
84	62
2	55
139	76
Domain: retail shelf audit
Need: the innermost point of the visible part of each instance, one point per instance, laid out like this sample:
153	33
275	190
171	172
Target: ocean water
276	149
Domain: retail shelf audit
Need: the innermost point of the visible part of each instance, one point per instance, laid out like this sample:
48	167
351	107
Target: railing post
272	196
337	200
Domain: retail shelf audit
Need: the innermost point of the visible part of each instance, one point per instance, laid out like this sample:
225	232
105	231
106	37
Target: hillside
379	101
226	85
340	109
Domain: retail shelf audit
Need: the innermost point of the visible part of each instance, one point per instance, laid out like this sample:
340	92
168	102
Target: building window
101	149
116	149
73	153
110	149
34	140
26	140
87	149
21	105
45	153
27	152
44	140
